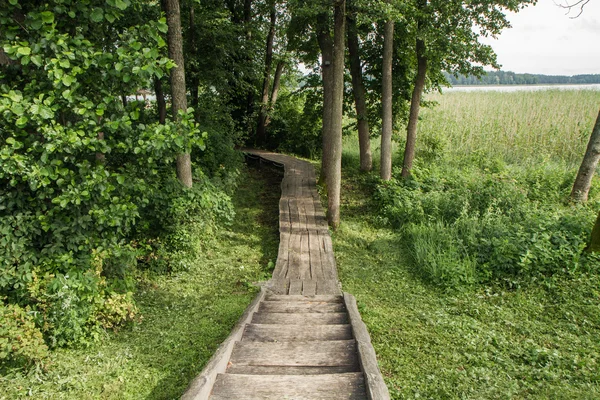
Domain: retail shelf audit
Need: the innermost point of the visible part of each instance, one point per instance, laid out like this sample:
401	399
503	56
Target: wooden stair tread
294	354
301	307
285	370
300	318
290	333
348	386
320	298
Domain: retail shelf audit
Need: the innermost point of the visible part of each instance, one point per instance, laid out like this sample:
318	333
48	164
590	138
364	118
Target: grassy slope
540	341
185	316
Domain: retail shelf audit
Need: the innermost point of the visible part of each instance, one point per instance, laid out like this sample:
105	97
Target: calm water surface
520	88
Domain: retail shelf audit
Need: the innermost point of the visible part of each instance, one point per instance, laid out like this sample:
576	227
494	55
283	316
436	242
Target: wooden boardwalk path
301	338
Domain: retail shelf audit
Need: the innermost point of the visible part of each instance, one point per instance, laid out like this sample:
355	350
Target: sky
545	40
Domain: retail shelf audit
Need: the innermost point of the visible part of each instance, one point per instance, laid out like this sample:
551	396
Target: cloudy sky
545	40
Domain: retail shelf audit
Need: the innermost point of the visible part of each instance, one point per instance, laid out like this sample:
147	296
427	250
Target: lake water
520	88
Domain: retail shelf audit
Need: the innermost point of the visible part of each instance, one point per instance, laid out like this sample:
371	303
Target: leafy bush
471	225
21	342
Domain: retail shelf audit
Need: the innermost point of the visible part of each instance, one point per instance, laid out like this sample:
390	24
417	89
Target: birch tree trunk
178	95
415	106
583	181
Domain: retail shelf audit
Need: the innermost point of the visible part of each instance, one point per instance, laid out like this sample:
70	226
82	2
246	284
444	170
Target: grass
520	127
185	316
537	340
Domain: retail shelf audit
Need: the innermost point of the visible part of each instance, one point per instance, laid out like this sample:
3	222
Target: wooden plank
376	388
300	319
290	333
295	287
301	307
294	354
200	386
284	215
294	249
304	260
327	257
279	286
281	265
325	298
279	370
348	386
328	286
316	266
309	287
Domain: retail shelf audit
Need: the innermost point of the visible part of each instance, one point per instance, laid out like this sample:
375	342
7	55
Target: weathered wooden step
301	307
279	370
291	333
320	298
350	386
300	318
294	354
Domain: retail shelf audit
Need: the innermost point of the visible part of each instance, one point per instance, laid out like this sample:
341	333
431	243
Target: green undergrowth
185	315
531	334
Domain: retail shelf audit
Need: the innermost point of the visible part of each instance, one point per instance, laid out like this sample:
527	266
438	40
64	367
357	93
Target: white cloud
545	40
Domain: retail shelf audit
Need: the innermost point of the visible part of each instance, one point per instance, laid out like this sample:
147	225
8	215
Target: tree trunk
178	95
262	117
194	81
326	46
275	92
160	101
415	106
333	139
358	89
583	181
386	102
594	245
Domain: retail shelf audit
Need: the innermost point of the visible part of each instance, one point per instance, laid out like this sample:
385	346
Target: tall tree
358	90
386	102
178	96
447	36
326	45
332	139
415	103
262	117
587	169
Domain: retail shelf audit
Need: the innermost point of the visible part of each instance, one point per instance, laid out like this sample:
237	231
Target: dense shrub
466	225
21	342
87	180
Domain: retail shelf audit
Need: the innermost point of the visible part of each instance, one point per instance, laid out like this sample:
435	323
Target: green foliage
79	169
472	225
536	341
21	342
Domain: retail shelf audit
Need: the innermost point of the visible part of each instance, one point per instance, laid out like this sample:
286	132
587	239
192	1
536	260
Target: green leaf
67	80
22	121
13	2
97	15
17	109
47	17
118	66
110	17
162	25
24	51
37	60
64	63
121	179
122	4
71	14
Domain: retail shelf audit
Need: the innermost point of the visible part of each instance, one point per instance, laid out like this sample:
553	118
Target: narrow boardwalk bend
301	338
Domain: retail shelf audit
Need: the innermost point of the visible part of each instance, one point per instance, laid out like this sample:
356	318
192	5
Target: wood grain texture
295	354
301	307
348	386
300	319
291	333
